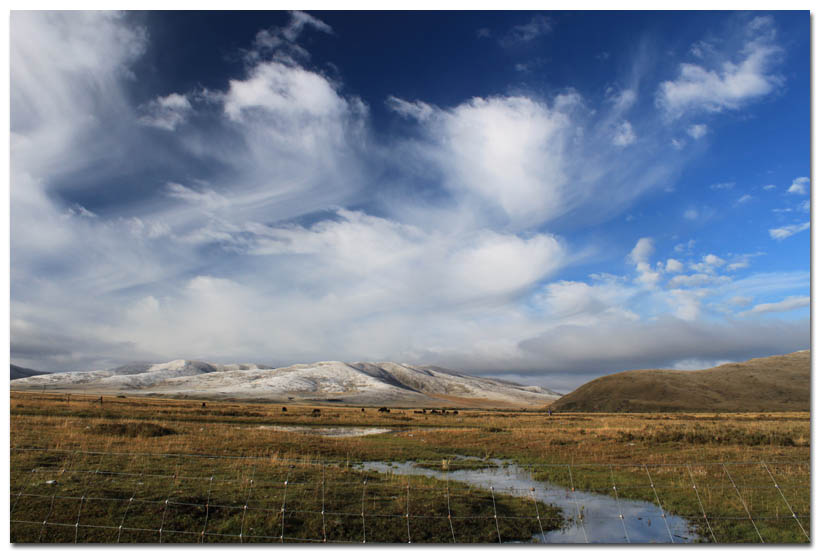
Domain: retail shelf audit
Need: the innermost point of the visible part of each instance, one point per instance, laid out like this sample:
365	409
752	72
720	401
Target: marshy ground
126	468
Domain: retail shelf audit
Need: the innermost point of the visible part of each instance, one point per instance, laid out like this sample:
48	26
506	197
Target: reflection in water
331	431
604	520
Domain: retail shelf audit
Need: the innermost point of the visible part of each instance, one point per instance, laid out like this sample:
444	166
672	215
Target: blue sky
546	196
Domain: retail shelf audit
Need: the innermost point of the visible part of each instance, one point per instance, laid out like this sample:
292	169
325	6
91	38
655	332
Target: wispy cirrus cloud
166	112
788	304
781	233
537	26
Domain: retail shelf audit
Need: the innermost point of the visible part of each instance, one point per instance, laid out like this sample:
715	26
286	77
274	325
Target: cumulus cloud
640	255
673	266
723	186
643	249
782	233
799	185
708	264
506	152
731	81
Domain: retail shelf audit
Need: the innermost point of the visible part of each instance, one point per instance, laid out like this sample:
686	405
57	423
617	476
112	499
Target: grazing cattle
455	412
317	412
362	409
203	405
384	410
419	412
284	409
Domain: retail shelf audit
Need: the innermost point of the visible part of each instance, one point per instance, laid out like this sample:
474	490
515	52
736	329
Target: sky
545	197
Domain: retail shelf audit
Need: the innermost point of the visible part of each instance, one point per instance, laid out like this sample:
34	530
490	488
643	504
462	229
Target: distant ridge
777	383
352	383
22	372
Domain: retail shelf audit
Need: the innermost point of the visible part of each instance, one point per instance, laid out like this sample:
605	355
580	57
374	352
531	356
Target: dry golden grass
777	383
666	443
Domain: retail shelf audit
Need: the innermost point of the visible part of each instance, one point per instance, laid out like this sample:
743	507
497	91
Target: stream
641	521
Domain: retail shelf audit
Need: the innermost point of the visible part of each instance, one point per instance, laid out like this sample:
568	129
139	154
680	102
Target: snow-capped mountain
355	383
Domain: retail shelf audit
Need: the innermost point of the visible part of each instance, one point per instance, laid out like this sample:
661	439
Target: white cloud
208	199
284	94
740	262
624	135
166	112
412	110
788	304
621	100
696	280
691	214
741	301
282	40
697	131
727	85
79	211
799	185
640	255
769	187
642	251
723	186
709	263
673	266
686	247
508	153
743	199
537	26
784	232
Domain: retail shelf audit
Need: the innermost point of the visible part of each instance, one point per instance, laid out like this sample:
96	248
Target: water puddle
331	431
641	521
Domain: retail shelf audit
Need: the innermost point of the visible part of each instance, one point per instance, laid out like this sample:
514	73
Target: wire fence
81	496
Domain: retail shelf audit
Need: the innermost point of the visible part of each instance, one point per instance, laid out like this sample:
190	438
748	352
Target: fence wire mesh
79	496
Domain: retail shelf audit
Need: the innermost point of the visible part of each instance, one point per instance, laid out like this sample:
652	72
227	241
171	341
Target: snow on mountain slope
128	377
365	383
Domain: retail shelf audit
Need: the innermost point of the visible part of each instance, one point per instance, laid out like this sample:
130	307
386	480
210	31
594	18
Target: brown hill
777	383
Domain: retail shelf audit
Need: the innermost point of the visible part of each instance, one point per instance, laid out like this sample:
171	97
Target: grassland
776	383
719	454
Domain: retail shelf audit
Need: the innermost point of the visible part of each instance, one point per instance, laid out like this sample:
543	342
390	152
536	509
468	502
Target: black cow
317	413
